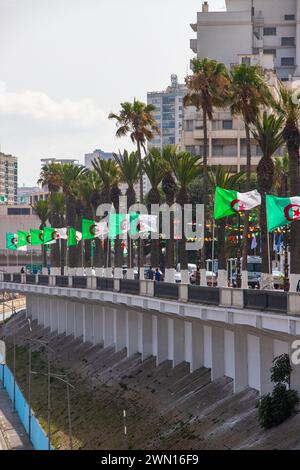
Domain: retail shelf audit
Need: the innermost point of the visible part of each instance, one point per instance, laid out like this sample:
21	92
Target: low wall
38	438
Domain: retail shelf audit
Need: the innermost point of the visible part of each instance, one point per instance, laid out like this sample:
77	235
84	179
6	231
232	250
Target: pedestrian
22	270
298	286
157	275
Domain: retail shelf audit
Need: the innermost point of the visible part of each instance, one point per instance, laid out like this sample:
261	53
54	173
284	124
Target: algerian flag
74	237
92	229
282	211
11	241
228	202
120	224
3	199
53	234
23	238
36	237
147	223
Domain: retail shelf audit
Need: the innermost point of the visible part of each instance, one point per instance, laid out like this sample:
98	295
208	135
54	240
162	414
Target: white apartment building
168	113
245	33
251	27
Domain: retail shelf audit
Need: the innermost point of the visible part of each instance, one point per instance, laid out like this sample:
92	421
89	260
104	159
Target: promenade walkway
12	433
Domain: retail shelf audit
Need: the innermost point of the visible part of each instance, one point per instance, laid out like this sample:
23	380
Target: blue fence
38	438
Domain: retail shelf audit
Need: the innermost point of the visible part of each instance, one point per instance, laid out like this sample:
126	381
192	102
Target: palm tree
186	168
57	209
249	92
218	176
289	109
280	185
155	171
70	174
41	208
129	168
268	134
169	187
108	173
137	120
208	88
51	177
87	193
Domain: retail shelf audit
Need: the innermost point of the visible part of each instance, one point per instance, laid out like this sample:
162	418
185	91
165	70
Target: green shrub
279	405
276	407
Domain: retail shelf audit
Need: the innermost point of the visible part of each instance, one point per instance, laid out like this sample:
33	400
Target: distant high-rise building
98	153
8	179
168	113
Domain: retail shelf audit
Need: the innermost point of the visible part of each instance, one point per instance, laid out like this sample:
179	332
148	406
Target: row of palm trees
271	119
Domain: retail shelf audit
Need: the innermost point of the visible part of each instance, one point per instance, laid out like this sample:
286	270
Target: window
18	211
270	51
189	125
289	17
288	41
287	61
227	124
270	31
246	60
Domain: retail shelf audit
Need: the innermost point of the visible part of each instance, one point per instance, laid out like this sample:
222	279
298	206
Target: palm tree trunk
183	257
205	189
141	171
246	217
71	220
170	243
294	178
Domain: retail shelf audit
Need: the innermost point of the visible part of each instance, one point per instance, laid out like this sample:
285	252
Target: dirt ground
165	408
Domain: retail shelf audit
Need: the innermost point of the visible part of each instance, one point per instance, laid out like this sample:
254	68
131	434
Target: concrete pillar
54	314
160	339
253	360
195	345
108	327
47	316
217	353
229	357
188	342
178	342
203	280
133	331
62	316
207	346
240	361
266	359
222	278
120	333
70	307
89	323
147	335
98	324
79	313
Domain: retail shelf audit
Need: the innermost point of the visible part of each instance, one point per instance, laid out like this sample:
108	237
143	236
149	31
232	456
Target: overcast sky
65	64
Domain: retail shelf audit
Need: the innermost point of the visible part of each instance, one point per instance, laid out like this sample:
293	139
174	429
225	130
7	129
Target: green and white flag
92	229
3	199
53	234
282	211
23	238
36	237
229	202
11	241
120	224
74	237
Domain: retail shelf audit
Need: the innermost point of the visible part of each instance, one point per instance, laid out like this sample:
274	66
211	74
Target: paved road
12	433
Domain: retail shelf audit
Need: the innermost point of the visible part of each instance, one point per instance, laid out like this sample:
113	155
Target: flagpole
213	249
268	239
